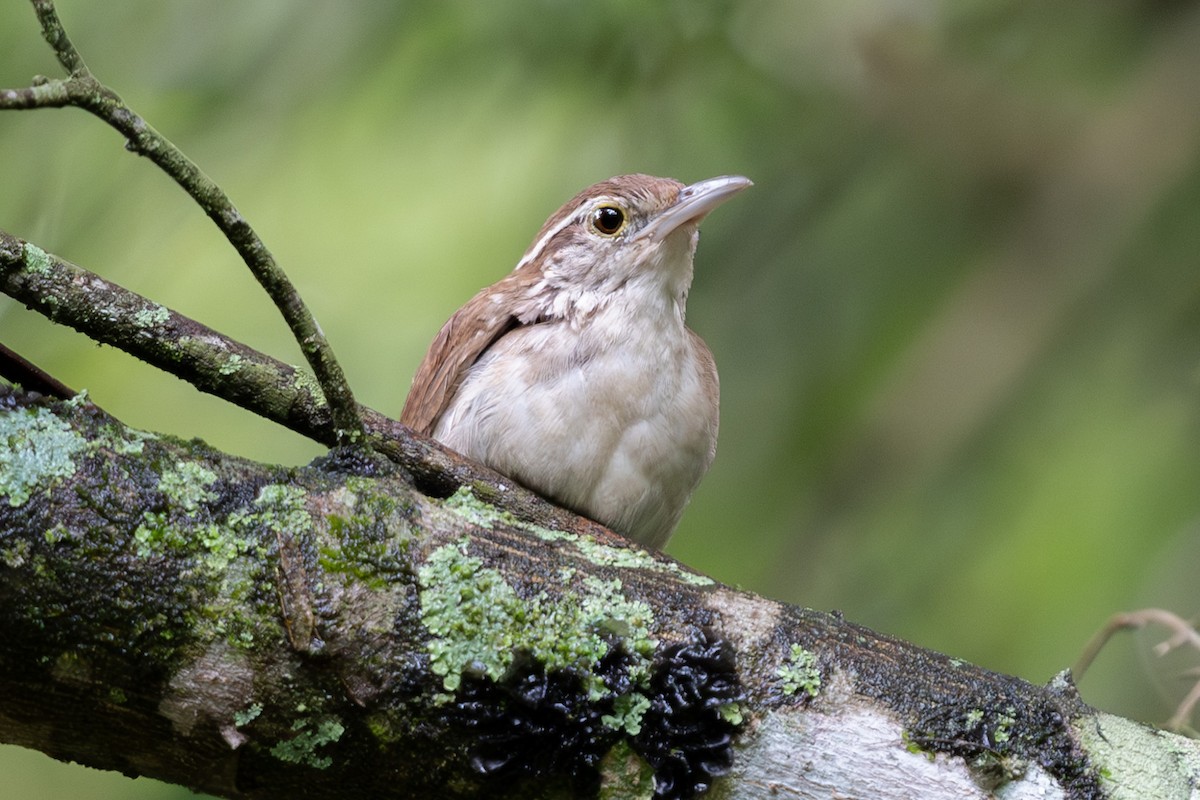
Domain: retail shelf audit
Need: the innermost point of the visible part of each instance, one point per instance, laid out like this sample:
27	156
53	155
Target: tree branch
218	365
255	633
108	313
15	369
84	91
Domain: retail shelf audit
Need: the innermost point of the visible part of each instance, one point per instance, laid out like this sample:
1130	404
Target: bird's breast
616	423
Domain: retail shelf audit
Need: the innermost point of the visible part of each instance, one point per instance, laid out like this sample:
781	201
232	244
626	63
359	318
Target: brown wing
712	386
477	326
458	345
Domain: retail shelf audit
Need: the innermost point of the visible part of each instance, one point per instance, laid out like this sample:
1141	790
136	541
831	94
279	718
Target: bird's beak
693	205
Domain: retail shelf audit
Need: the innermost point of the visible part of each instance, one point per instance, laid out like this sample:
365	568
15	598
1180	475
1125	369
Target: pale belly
619	433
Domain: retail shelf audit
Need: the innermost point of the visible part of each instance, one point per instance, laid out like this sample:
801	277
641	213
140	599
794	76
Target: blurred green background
957	318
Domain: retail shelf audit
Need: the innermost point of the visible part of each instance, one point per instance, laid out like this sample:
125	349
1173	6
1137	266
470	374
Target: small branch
107	313
1183	711
30	376
44	93
1182	633
82	90
213	363
56	36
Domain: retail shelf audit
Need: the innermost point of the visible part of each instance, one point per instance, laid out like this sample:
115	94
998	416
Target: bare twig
1183	712
15	368
83	90
1182	633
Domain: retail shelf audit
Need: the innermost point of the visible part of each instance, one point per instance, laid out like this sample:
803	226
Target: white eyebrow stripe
535	251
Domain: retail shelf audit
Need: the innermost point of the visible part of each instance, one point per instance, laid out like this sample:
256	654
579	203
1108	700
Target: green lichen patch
186	485
309	735
548	535
628	711
465	503
36	448
219	558
468	504
368	535
36	260
150	316
232	365
478	623
72	667
247	715
221	547
15	555
1003	726
156	534
223	557
281	508
799	672
471	614
121	440
303	381
606	555
733	713
56	534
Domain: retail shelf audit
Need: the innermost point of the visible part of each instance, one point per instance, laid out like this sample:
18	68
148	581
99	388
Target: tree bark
335	631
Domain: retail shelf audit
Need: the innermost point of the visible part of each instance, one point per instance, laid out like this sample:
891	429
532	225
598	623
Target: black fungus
684	736
535	723
353	461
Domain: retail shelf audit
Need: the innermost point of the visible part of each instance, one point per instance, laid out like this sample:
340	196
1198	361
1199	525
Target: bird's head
632	232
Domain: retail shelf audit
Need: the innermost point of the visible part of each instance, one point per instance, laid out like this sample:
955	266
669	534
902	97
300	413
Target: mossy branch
332	631
69	295
82	90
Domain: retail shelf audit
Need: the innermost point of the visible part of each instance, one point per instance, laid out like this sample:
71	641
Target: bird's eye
608	220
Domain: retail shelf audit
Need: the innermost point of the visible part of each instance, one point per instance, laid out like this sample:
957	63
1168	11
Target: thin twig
20	370
1182	633
107	313
1184	711
56	37
84	91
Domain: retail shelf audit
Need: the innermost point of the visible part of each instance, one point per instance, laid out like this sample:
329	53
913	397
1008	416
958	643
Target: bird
575	375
